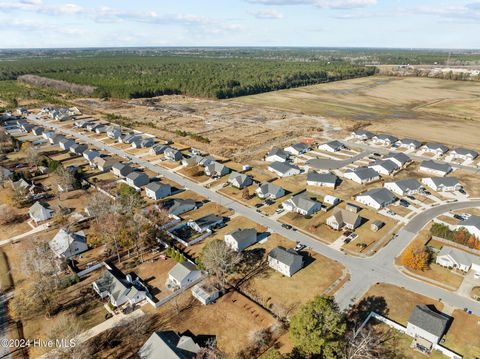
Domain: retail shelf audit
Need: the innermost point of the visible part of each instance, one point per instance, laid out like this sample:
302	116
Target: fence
456	245
173	295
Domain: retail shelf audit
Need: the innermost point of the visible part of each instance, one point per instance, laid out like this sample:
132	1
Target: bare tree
100	206
65	179
369	343
220	260
210	351
8	214
5	141
65	333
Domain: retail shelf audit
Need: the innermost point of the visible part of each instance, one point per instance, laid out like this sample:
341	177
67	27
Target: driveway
469	282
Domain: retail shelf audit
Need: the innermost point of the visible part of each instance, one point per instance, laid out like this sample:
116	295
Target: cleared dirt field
422	108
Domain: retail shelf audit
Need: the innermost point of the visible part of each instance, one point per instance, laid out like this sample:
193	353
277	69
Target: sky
318	23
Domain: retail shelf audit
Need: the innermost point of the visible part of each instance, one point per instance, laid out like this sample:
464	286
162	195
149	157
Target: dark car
404	203
258	205
411	197
286	226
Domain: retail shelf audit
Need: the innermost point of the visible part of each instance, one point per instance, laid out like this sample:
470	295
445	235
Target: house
377	198
137	179
435	168
101	129
277	155
241	238
178	206
21	184
269	190
404	187
55	139
384	140
435	148
284	169
302	204
384	167
90	155
114	132
40	212
27	127
362	135
322	179
362	175
67	244
119	288
37	131
400	159
206	293
203	160
78	148
464	154
65	143
471	225
158	149
442	184
82	123
409	143
48	135
121	170
297	149
240	180
129	138
331	200
172	154
216	169
136	142
21	111
169	345
343	218
285	261
450	257
427	327
157	190
332	146
206	223
104	163
377	225
182	275
92	126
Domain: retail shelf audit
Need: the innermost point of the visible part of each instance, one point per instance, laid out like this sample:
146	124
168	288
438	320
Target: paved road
331	164
364	272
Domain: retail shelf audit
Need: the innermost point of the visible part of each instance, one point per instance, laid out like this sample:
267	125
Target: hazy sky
373	23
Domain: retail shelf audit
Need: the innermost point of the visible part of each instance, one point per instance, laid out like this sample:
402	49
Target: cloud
267	14
466	12
29	25
323	4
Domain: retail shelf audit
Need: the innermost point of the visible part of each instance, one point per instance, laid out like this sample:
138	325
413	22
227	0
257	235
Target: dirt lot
389	104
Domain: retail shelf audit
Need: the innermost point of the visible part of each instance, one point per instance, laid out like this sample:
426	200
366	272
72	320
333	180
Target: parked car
411	197
280	210
258	205
286	226
300	247
404	203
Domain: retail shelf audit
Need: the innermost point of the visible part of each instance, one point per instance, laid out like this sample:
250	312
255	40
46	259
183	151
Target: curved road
364	272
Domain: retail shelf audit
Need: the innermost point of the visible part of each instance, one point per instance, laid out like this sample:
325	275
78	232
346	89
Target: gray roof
385	137
368	134
134	175
400	157
243	235
283	167
344	216
409	184
241	178
322	177
335	144
443	167
303	202
365	173
116	284
40	211
269	188
380	195
389	165
286	256
445	181
208	220
215	167
168	345
63	240
157	186
181	270
431	321
300	147
473	221
409	141
465	151
436	146
180	206
278	152
459	256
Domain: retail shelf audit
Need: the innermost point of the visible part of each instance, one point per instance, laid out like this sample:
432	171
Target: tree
318	328
65	180
246	194
220	260
8	215
17	196
67	328
416	257
368	343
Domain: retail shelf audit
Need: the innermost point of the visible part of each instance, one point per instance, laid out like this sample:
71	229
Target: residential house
435	168
121	170
377	225
40	212
82	123
206	293
27	127
203	160
55	140
158	149
409	143
48	135
137	179
464	154
427	327
332	146
472	225
450	257
384	140
400	159
119	288
78	148
322	179
182	275
21	184
92	126
343	218
216	169
376	198
436	148
136	142
67	244
404	187
241	238
129	138
169	345
178	206
114	132
172	154
269	190
65	143
206	223
101	129
90	155
384	167
297	149
240	180
284	169
37	130
302	204
285	261
362	135
277	155
442	184
362	175
104	163
157	190
331	200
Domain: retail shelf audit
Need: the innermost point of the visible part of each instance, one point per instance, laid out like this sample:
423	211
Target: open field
444	111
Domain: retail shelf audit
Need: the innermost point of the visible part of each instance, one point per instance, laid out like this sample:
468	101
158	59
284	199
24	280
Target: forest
134	75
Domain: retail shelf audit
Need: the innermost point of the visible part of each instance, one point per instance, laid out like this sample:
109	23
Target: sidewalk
26	234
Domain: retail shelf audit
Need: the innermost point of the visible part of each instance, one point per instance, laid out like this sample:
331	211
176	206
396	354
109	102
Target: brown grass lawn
206	209
293	184
237	195
462	337
188	194
195	173
470	181
447	219
169	164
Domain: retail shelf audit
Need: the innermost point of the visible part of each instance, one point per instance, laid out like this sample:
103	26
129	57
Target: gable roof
410	141
408	184
429	320
379	195
182	270
283	167
365	133
321	177
465	151
238	177
269	188
399	156
61	243
178	203
243	235
388	165
300	147
303	202
436	166
168	345
385	137
335	144
278	152
208	220
285	256
157	186
445	181
365	173
459	256
344	216
436	146
40	211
